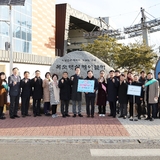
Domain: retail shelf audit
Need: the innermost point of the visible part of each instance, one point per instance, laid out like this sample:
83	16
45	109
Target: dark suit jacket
26	88
37	89
65	89
112	89
76	96
14	90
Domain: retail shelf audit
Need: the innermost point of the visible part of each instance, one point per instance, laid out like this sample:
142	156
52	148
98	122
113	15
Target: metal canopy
12	2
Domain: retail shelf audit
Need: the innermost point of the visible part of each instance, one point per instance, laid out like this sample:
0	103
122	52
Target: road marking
124	152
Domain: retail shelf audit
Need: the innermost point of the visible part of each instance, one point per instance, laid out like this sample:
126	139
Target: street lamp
11	3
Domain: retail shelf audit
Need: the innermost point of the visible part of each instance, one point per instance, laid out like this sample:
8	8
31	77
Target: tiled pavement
79	127
47	126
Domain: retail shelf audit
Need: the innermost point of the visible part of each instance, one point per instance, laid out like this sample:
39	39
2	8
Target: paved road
72	151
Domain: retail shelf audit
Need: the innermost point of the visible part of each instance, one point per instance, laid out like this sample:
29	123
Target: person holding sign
76	96
151	94
3	93
122	96
112	91
136	99
90	96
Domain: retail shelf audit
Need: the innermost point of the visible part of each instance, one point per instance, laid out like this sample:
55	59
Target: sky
122	13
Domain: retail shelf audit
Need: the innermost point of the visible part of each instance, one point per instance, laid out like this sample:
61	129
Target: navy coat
112	89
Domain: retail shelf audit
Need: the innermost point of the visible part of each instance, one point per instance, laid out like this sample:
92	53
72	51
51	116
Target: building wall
43	27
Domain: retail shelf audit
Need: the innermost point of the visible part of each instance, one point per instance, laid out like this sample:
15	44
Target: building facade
33	34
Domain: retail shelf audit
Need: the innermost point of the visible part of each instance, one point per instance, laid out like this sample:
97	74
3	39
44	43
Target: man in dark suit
25	94
14	92
112	90
37	93
90	97
65	94
76	96
136	99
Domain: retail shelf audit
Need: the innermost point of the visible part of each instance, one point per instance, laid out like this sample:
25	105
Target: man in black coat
112	90
76	96
122	96
14	92
143	79
90	97
25	94
37	93
65	93
136	99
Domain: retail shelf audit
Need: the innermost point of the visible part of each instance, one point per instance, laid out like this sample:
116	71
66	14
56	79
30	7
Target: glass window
4	12
25	46
4	28
29	22
17	8
17	45
28	9
17	18
29	35
23	9
17	31
23	31
29	1
23	20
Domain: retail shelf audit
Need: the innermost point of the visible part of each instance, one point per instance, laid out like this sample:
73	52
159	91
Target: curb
78	140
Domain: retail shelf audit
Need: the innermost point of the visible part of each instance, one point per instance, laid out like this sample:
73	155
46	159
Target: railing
26	58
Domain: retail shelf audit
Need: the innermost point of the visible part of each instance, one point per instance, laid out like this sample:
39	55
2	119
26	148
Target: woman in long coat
3	93
102	96
46	93
54	95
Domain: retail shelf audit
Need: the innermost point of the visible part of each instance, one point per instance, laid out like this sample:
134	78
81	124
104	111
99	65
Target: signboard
134	90
85	86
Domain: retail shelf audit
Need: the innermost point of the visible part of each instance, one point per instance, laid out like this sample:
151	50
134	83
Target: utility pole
11	41
144	27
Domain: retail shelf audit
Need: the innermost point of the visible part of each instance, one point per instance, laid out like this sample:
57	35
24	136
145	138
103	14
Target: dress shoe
151	119
27	115
147	119
124	117
74	115
120	116
88	116
131	118
139	117
92	116
12	117
35	115
2	118
23	116
64	116
16	116
80	115
67	115
39	115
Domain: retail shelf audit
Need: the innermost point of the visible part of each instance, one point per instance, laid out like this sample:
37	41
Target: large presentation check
85	86
134	90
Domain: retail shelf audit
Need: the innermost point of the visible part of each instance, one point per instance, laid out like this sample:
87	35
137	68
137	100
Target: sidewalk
105	129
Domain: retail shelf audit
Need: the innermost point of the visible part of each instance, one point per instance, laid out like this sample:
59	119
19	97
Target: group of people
54	91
